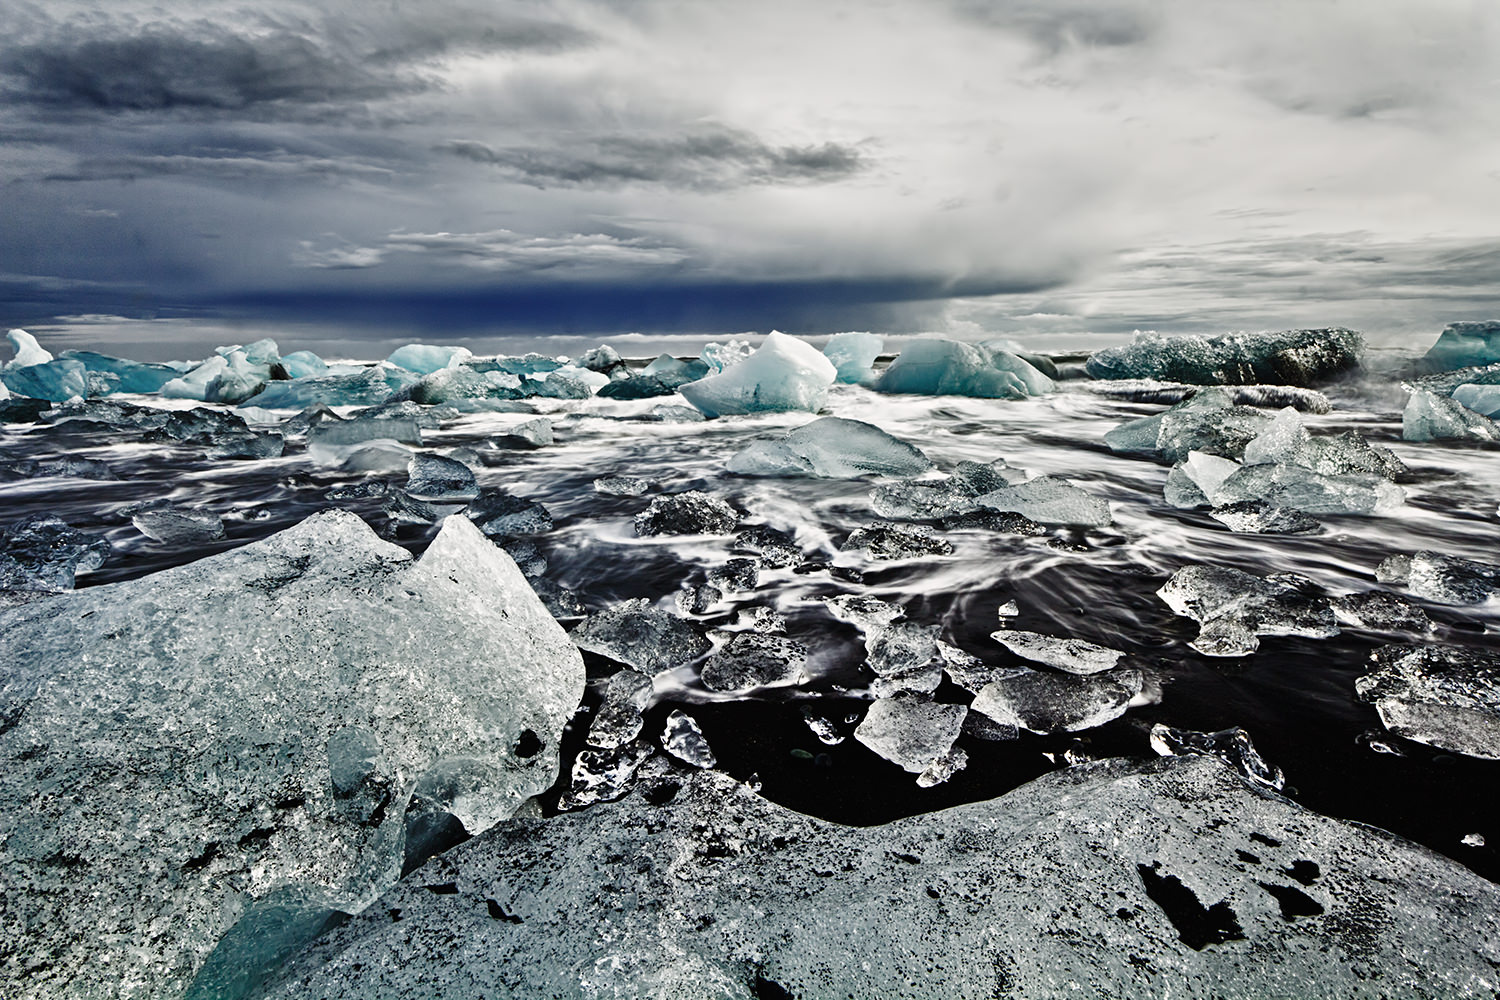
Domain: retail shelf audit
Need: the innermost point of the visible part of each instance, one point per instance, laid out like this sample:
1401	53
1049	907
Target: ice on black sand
690	513
641	636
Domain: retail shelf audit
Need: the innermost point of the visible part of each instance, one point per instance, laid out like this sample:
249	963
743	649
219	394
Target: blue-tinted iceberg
134	376
303	364
833	448
1482	399
948	367
425	359
854	354
54	380
1289	357
784	374
1464	345
367	387
28	351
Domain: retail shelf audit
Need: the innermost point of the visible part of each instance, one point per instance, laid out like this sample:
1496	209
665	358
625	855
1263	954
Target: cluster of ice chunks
1445	579
1431	417
201	781
642	637
721	356
662	377
854	356
1208	421
1443	696
833	448
1235	608
1464	345
690	513
1232	746
953	368
1290	357
45	554
783	374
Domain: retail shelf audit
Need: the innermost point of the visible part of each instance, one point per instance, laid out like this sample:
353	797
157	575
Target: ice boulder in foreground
1290	357
226	750
1430	417
952	368
1464	345
784	374
1442	696
833	448
1118	878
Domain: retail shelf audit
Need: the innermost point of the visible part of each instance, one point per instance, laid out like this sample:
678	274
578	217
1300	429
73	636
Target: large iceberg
424	359
1290	357
134	376
202	765
833	448
1117	878
783	374
27	351
367	387
854	355
55	380
1464	345
952	368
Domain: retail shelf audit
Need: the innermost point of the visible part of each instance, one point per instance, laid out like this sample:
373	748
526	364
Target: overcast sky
1042	169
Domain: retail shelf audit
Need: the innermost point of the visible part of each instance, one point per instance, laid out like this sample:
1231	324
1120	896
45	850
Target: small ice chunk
698	600
1289	357
684	740
825	729
1207	473
1473	840
784	374
1010	609
718	357
912	732
437	477
1482	399
529	434
921	501
869	614
1379	611
403	508
1232	746
622	486
690	513
943	768
1257	517
777	549
833	448
736	575
618	721
754	659
525	554
900	648
603	775
1443	696
640	636
497	512
1446	579
1072	655
854	354
45	553
28	351
949	367
762	619
1048	500
667	413
885	540
1394	569
425	359
1430	417
171	524
1234	608
603	359
1044	702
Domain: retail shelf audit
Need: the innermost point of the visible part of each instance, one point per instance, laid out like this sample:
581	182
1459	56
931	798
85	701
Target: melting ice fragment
1208	422
1290	357
45	553
618	721
1046	702
1234	608
943	768
684	740
1439	695
833	448
949	367
1379	611
641	636
528	434
690	513
437	477
783	374
910	731
754	659
622	486
208	768
885	540
854	354
1232	746
1482	399
1430	417
1446	579
497	512
1072	655
603	775
1256	517
171	524
1048	500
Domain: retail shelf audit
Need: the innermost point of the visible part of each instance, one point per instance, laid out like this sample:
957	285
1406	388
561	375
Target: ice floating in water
622	486
626	695
951	368
718	357
461	383
27	351
776	549
1290	357
1442	696
134	376
1430	417
690	513
436	477
1445	579
1072	655
528	434
602	359
45	553
684	740
363	388
784	374
1153	391
885	540
171	524
211	774
833	448
1232	746
1257	517
640	636
1286	441
1462	345
1208	422
1234	608
67	466
1048	500
943	768
754	659
909	731
1045	702
1381	612
330	433
497	512
854	354
864	612
1208	479
425	359
303	364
